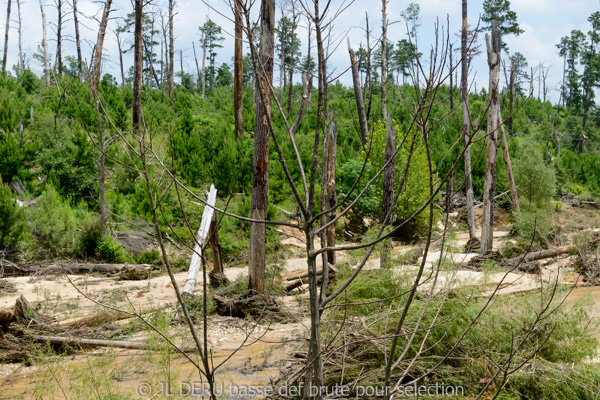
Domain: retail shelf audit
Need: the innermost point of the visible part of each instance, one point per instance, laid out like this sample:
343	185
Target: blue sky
544	22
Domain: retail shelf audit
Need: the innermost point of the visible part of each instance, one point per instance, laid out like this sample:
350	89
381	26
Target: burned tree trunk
238	73
360	103
59	37
464	92
77	41
509	171
494	47
387	203
171	69
260	175
511	97
331	199
137	68
45	40
384	113
6	29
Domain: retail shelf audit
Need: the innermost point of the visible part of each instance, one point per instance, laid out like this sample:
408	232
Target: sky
544	23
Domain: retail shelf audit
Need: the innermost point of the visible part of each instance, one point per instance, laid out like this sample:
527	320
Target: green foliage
536	182
54	223
112	251
416	188
12	220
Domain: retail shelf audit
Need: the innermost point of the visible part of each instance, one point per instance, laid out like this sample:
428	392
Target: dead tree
120	47
384	113
6	29
509	171
451	67
99	47
197	66
494	47
238	72
292	54
464	92
20	31
45	41
260	174
304	103
137	67
77	41
59	37
204	44
368	76
389	175
360	103
171	69
331	198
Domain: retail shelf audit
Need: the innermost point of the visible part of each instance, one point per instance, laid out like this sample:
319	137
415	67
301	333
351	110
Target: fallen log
126	271
539	255
93	343
304	274
294	281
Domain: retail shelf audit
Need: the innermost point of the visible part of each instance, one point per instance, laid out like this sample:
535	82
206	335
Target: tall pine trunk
260	175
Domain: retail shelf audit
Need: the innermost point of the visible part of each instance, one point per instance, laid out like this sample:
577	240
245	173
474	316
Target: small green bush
12	220
54	223
112	251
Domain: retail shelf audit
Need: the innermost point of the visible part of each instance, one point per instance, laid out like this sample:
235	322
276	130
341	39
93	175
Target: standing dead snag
238	73
360	102
494	48
59	24
387	203
6	28
201	237
260	174
171	60
384	113
464	93
137	69
509	171
46	60
77	42
331	199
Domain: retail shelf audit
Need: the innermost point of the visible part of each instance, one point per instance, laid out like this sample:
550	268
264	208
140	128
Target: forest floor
262	351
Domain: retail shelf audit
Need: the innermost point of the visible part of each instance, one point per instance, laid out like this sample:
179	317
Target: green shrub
536	182
112	251
54	223
90	237
12	220
152	257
